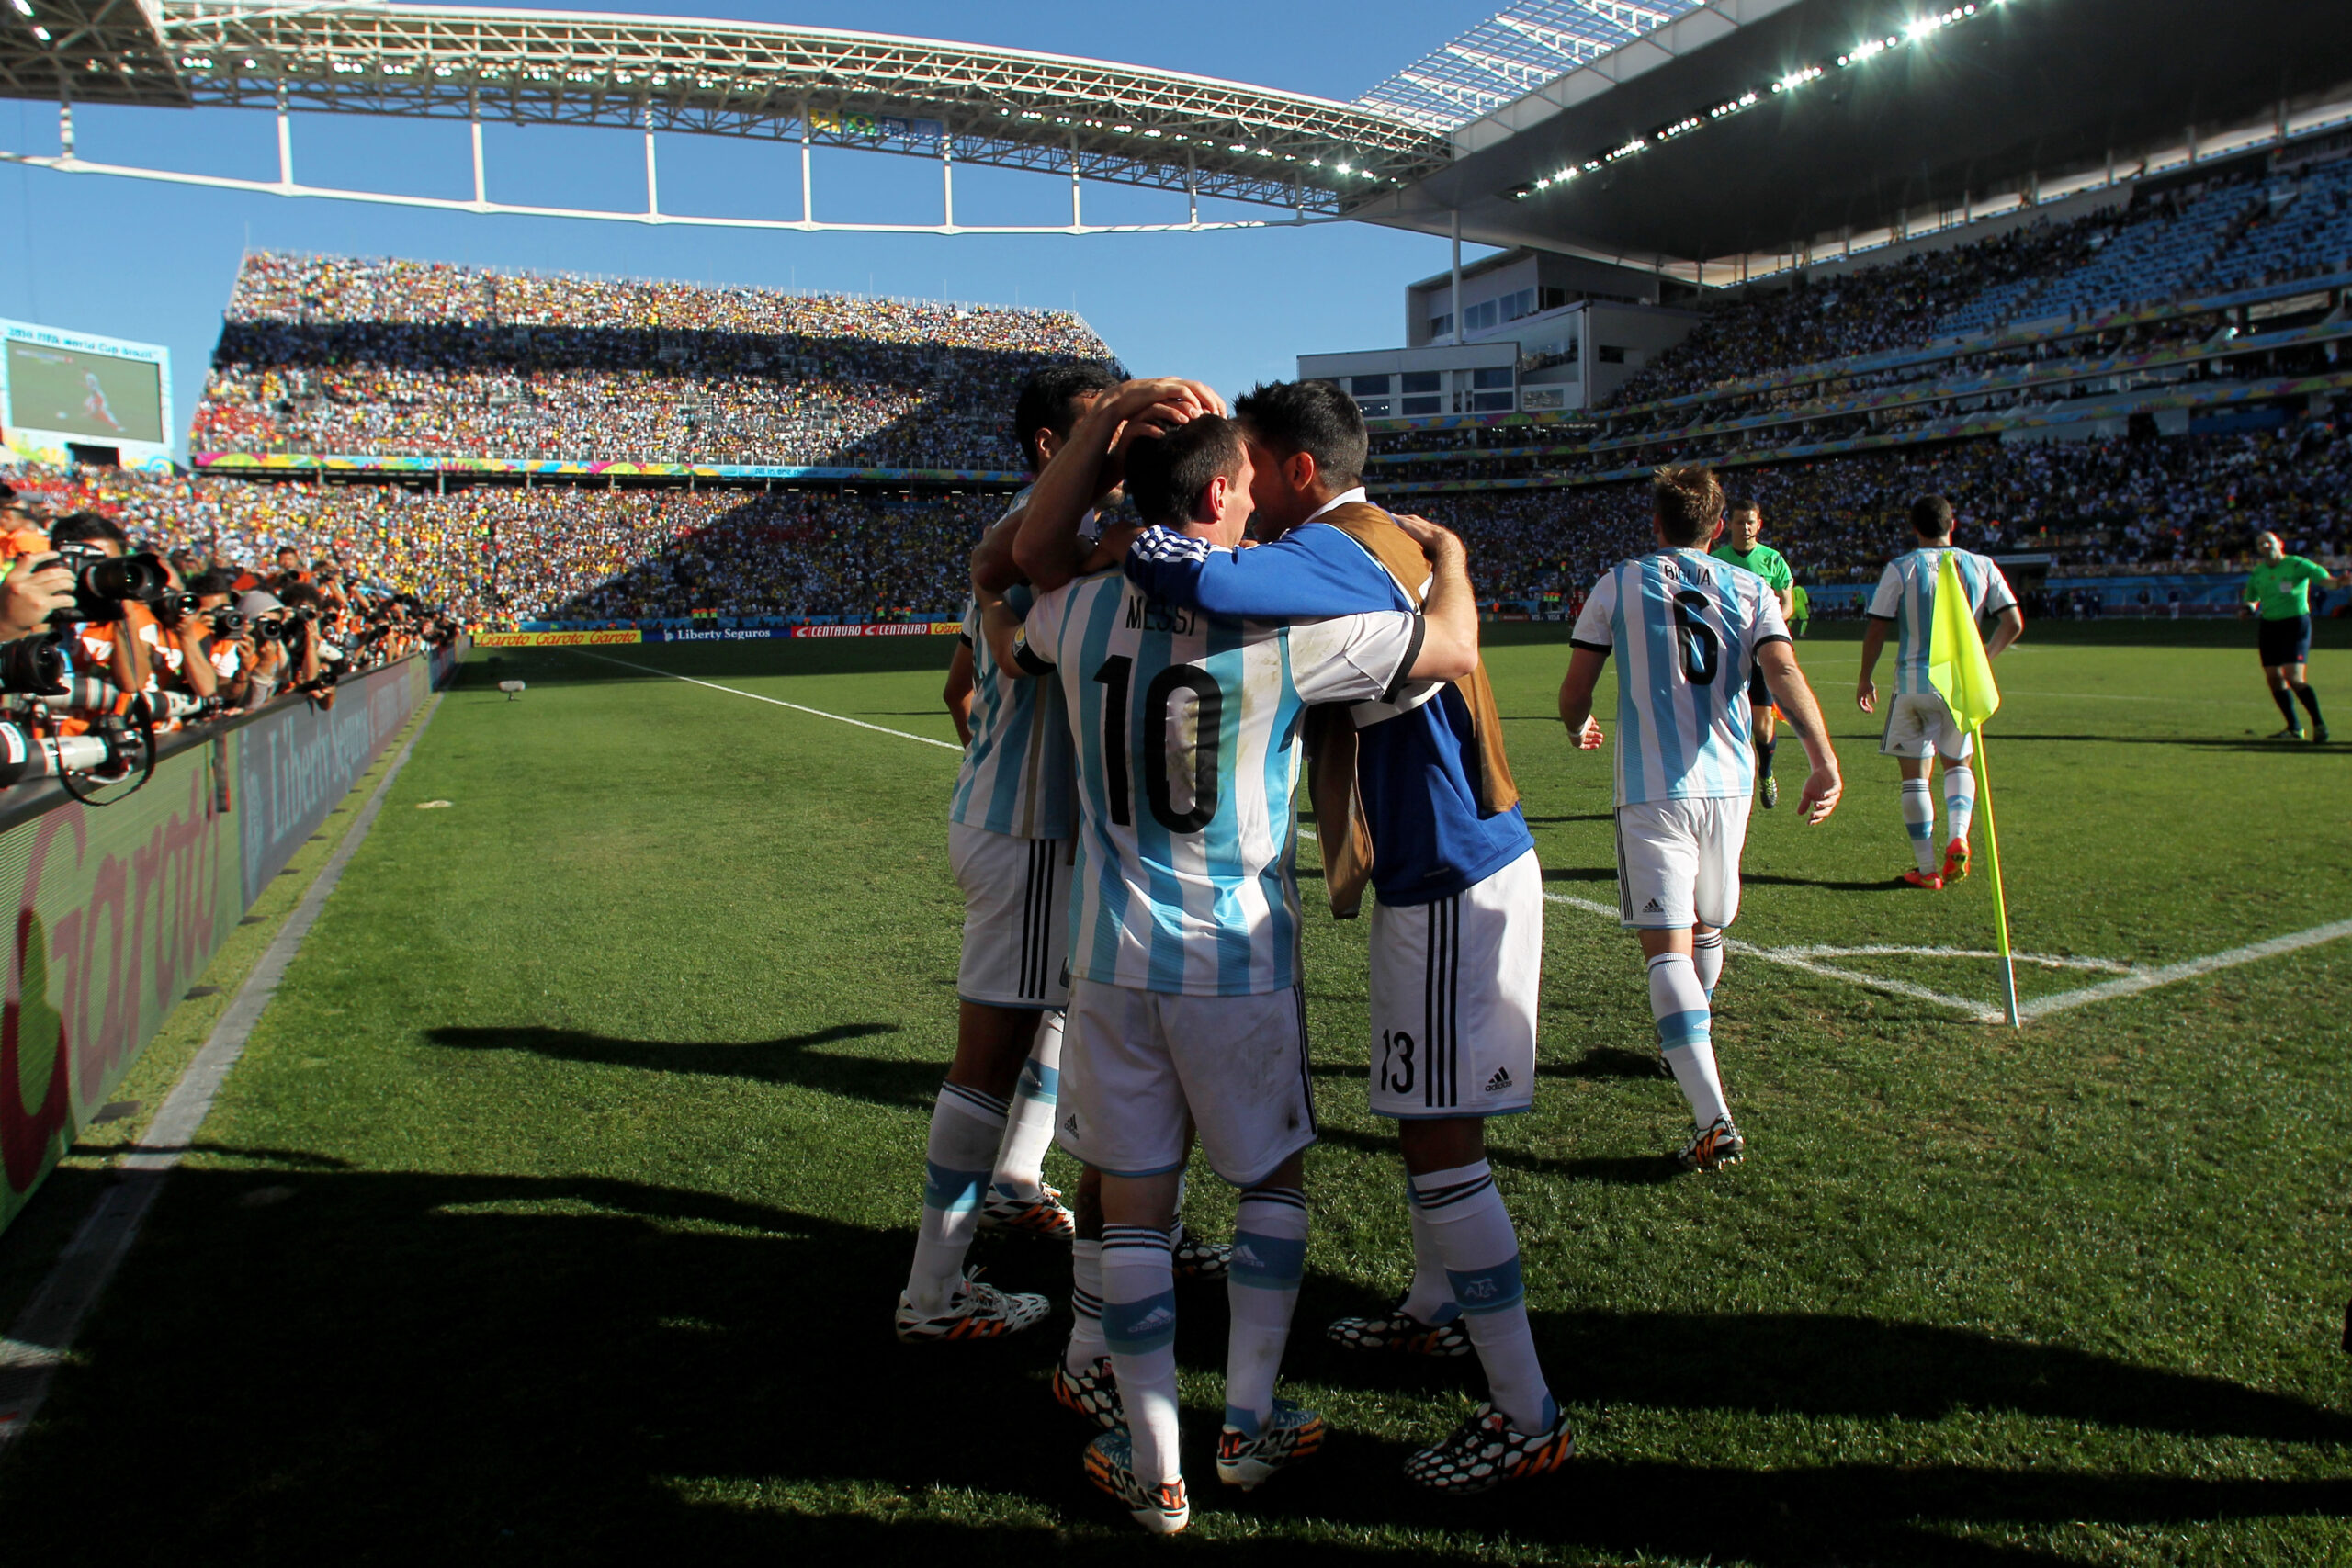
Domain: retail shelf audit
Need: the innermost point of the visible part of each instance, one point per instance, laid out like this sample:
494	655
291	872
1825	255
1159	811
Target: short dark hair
1744	504
1688	502
85	528
1166	474
1931	517
1049	401
1312	417
212	583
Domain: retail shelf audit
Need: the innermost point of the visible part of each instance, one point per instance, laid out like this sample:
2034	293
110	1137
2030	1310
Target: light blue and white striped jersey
1907	595
1016	773
1685	628
1187	729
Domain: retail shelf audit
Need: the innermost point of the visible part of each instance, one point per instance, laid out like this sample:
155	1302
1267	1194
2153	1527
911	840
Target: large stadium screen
76	392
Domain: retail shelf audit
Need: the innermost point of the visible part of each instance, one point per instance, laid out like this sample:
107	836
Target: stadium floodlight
1914	31
23	9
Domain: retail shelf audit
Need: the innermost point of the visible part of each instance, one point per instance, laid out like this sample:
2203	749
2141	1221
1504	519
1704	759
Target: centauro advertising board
120	909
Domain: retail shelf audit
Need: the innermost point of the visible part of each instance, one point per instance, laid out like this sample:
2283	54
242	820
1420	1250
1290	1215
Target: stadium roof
1750	127
1517	50
988	105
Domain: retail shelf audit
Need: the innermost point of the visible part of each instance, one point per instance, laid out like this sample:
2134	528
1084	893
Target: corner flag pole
2000	900
1962	672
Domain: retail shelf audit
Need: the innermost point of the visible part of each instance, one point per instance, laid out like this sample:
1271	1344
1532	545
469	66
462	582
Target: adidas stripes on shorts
1919	723
1017	918
1139	1066
1455	985
1678	862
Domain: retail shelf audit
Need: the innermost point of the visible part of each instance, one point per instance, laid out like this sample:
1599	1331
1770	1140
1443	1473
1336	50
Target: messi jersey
1907	595
1685	629
1015	776
1415	757
1187	731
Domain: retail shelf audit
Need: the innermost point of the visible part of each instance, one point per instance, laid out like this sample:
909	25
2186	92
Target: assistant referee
2278	590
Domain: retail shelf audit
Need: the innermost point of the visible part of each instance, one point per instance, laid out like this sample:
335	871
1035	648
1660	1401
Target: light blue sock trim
1677	1030
1040	1082
1268	1262
952	1191
1137	1328
1243	1421
1489	1290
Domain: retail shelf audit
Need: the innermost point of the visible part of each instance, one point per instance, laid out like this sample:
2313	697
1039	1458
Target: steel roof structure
1511	54
965	102
1778	129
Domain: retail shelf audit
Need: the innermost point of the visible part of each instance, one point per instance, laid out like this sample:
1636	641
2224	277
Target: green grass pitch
556	1212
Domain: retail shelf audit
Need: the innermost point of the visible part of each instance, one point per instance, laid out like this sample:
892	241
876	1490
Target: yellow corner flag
1959	668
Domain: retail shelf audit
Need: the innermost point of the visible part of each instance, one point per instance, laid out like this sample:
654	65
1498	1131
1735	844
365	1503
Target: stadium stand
387	357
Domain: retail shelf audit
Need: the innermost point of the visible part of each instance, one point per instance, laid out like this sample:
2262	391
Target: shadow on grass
569	1367
790	1060
405	1367
1637	1170
1882	884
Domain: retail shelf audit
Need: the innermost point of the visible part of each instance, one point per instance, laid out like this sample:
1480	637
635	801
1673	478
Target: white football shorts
1017	918
1918	723
1139	1067
1678	862
1455	985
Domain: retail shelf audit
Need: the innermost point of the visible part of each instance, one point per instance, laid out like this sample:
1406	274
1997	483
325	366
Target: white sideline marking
1802	958
2045	960
45	1330
1807	959
2149	979
778	702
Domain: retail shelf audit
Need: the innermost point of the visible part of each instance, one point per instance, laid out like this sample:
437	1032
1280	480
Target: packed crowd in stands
2240	229
2157	502
333	354
495	554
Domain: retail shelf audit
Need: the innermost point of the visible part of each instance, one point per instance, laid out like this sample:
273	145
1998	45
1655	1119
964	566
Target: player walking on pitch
1185	1004
1010	820
1919	726
1689	631
1744	546
1457	933
2279	592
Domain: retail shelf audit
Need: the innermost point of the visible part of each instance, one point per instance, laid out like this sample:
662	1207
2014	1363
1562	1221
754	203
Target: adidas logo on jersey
1652	909
1069	1123
1501	1081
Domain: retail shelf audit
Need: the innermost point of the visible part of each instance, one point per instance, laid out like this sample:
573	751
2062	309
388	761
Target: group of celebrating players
1139	702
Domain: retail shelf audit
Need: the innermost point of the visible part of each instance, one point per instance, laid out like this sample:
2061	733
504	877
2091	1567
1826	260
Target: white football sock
1020	1160
1086	1344
1473	1231
1139	1322
1430	1298
1685	1033
1920	822
1269	1258
965	1127
1959	802
1707	958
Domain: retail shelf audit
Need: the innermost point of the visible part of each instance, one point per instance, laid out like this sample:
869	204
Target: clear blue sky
154	263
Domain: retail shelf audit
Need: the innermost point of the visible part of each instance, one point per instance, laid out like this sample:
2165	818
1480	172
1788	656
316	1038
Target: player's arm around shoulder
1449	649
1020	645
